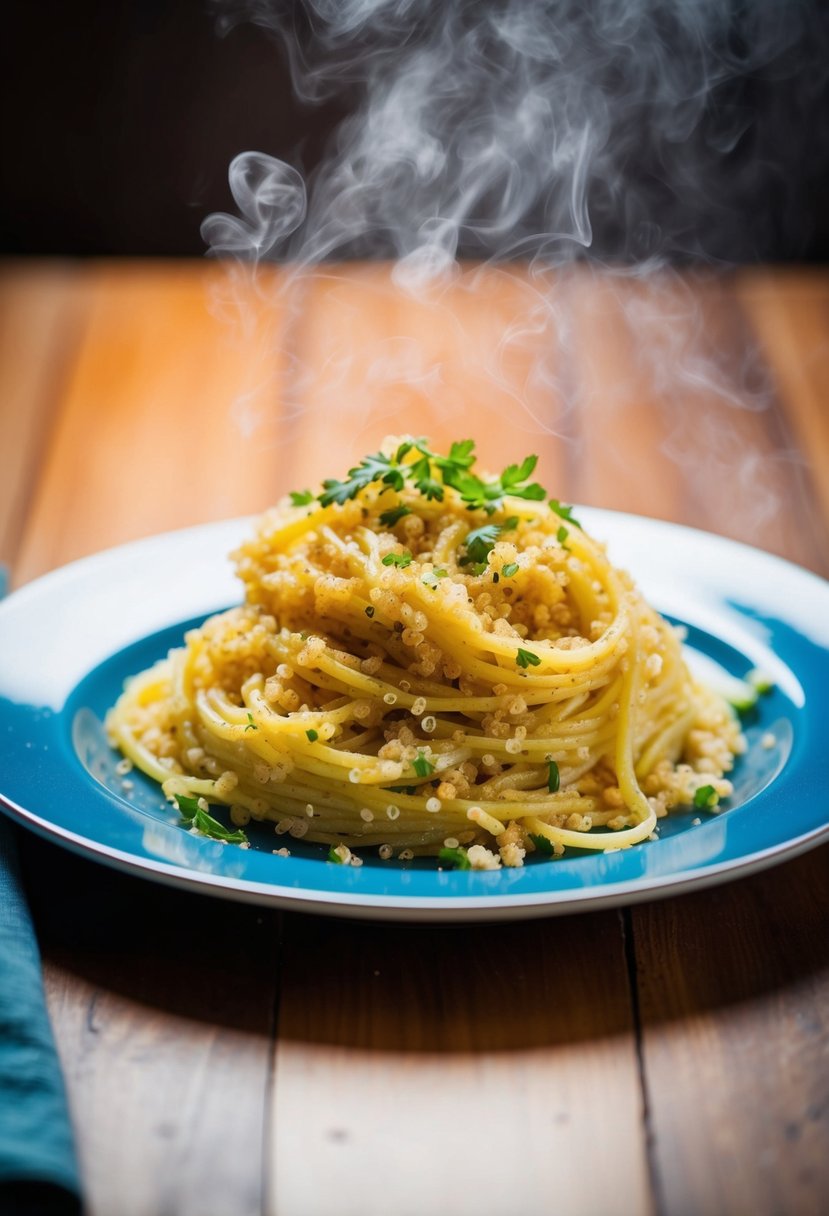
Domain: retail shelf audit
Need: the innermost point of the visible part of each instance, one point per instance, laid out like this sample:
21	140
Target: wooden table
671	1058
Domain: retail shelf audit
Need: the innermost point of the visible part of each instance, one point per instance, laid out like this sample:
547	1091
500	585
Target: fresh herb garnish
402	789
197	818
705	797
251	724
401	560
431	578
456	857
542	844
481	541
526	658
301	498
334	856
562	534
422	766
379	467
430	473
489	495
509	569
389	518
553	776
369	611
564	511
312	736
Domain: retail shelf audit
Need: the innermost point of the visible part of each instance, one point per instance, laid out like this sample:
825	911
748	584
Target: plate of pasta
422	691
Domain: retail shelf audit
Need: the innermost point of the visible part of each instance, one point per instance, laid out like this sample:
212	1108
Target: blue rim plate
68	641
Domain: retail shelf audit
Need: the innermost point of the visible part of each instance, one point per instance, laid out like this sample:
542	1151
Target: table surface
669	1058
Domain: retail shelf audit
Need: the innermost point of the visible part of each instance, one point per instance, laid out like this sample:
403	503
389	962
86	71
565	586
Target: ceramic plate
68	641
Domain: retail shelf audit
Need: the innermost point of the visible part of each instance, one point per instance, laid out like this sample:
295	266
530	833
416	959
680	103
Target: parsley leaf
543	845
187	805
312	736
564	511
562	534
199	819
401	560
509	569
301	498
389	518
526	658
553	777
421	472
456	857
706	797
481	541
422	766
378	467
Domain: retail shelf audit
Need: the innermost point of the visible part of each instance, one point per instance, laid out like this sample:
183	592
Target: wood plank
681	413
790	313
162	1003
170	415
42	306
733	984
734	993
459	1070
477	357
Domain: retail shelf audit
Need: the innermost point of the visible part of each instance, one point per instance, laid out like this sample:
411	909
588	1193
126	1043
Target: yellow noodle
352	701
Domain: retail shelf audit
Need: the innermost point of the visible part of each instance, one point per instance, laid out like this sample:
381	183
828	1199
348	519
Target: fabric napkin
38	1168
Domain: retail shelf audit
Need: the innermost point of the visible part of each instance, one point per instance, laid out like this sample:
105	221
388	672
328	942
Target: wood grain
168	417
734	991
461	1070
417	1068
41	309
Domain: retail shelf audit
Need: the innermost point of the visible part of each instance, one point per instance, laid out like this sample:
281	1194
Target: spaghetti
432	661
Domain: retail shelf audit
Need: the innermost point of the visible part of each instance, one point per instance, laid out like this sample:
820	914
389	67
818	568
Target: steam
537	129
526	137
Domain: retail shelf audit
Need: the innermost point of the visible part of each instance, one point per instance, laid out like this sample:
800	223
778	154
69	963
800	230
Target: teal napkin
38	1169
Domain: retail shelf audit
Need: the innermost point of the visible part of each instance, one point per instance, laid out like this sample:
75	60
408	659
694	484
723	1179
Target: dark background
119	120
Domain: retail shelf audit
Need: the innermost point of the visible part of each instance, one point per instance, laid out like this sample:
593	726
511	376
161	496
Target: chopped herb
526	658
562	534
312	735
431	472
379	467
199	819
509	569
553	777
402	789
422	766
564	511
401	560
456	857
389	518
369	611
187	805
251	724
706	797
301	498
431	578
334	856
543	845
481	541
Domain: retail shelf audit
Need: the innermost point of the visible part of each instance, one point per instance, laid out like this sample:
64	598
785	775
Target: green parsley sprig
430	472
480	542
196	817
